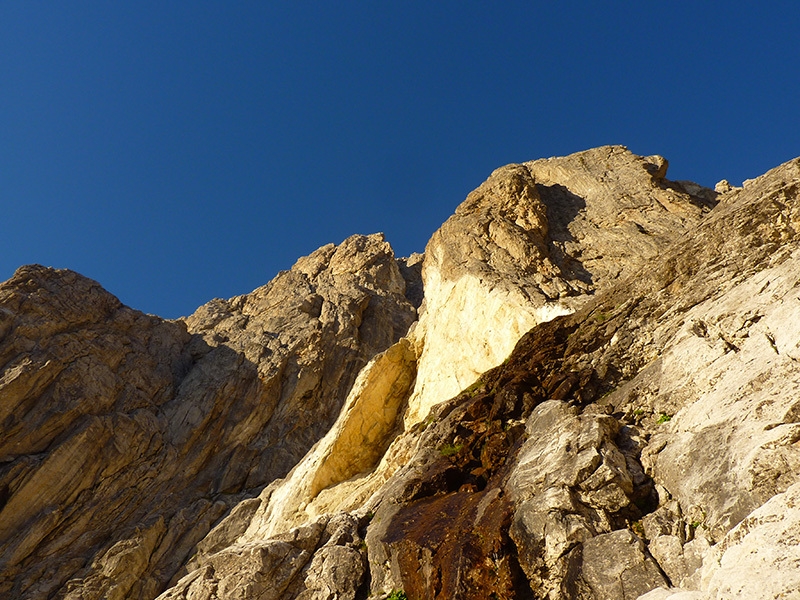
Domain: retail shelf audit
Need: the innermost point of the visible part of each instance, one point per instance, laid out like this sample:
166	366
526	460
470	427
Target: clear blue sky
180	151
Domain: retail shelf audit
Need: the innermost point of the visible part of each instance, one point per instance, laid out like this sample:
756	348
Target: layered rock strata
126	437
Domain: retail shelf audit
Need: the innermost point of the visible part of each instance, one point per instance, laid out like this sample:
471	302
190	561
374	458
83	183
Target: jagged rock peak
659	445
491	272
546	219
535	482
353	289
612	210
533	242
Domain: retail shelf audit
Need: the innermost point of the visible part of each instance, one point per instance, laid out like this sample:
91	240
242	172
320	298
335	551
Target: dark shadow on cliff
562	208
702	197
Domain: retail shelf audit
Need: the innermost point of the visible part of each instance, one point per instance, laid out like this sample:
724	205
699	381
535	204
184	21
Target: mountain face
588	387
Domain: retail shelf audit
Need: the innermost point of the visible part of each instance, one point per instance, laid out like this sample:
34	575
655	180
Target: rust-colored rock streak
450	537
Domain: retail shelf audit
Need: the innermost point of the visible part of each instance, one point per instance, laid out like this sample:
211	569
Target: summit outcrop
534	242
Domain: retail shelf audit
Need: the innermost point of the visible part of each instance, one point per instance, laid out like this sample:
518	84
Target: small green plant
450	449
424	425
638	412
698	523
663	418
601	317
473	389
607	393
638	528
397	595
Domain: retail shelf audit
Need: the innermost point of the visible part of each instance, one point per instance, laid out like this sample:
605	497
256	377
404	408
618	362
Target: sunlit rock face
126	437
597	401
659	449
507	260
534	242
354	445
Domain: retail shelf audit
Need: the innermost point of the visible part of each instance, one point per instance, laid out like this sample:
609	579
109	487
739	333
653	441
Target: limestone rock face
615	566
534	242
312	329
476	509
573	484
629	364
614	211
353	446
699	356
126	437
506	261
759	558
319	561
631	430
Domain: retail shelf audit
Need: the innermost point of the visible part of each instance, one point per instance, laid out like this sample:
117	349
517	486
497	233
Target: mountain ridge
300	441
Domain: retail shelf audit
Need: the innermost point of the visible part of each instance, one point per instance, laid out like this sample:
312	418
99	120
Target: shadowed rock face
642	446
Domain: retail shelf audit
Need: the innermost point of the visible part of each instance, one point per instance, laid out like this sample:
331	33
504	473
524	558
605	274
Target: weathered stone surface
320	561
758	559
613	566
708	339
570	483
312	329
679	561
125	437
647	439
531	243
411	270
732	357
490	275
440	524
83	383
612	211
354	445
621	342
766	542
726	374
460	474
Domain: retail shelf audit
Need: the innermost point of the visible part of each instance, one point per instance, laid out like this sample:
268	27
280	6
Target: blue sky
181	151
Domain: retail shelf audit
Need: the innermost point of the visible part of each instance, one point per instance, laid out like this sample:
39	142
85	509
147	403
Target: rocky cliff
588	387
